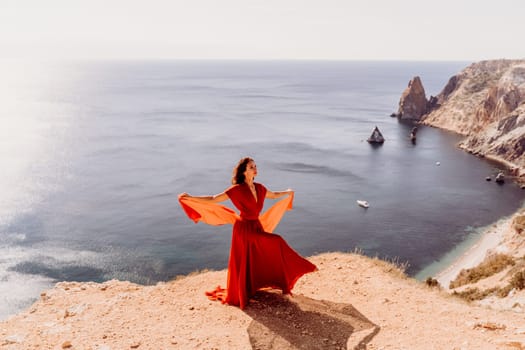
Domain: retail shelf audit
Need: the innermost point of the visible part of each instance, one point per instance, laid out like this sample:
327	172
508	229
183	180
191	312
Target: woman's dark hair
238	177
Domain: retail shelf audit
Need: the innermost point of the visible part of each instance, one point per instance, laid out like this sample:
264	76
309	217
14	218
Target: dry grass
519	223
389	265
472	294
432	282
487	268
516	282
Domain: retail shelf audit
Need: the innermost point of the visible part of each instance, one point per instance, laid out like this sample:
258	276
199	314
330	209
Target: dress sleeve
209	213
231	192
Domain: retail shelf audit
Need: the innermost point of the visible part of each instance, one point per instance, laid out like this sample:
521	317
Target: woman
258	258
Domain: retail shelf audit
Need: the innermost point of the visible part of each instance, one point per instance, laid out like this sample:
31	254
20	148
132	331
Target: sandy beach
490	240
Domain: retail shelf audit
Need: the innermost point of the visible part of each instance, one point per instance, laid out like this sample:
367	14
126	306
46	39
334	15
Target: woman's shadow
298	322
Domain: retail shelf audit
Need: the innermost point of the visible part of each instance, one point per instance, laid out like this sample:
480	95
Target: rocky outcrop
486	103
413	101
376	136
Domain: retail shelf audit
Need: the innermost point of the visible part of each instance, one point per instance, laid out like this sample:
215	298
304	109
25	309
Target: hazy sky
263	29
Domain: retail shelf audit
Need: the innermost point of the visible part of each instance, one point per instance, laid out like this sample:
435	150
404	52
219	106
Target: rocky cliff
413	102
351	302
486	103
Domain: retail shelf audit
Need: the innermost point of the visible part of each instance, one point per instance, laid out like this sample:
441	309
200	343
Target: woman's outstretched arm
278	194
220	197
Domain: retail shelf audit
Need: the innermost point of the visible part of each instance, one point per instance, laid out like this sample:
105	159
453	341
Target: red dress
258	258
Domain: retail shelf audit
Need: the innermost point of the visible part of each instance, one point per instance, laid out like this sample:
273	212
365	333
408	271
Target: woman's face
251	170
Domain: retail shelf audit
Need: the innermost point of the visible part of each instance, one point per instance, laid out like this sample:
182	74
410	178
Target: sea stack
376	136
413	102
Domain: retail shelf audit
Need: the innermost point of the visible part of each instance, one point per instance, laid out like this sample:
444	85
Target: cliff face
486	103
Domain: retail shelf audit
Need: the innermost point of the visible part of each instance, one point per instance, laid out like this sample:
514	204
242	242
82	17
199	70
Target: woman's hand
279	194
184	195
214	199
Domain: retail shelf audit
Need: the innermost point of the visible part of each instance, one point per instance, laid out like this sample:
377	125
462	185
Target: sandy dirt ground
352	302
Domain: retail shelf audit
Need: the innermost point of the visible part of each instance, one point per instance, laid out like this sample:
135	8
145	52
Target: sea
94	153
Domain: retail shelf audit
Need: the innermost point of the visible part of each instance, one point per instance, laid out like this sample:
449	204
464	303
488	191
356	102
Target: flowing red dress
258	258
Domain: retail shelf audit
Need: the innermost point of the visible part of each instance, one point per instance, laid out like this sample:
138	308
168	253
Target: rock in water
376	136
413	101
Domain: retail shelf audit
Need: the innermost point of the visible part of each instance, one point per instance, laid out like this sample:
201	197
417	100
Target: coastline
491	239
514	169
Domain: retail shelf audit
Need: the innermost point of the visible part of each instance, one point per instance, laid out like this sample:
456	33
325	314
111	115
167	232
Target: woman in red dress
258	258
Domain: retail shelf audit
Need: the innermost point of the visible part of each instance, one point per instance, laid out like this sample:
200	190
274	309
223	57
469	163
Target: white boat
362	203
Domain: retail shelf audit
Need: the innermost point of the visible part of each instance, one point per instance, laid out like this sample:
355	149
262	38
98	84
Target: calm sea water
94	154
